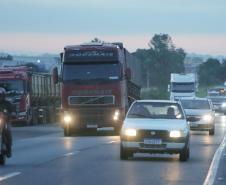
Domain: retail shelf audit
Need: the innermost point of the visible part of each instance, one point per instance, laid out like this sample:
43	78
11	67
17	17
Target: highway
42	156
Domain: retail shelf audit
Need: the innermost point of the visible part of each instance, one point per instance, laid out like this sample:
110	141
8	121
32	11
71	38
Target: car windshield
155	110
183	87
195	104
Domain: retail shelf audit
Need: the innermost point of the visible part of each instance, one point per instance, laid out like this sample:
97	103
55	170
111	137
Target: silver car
200	114
155	126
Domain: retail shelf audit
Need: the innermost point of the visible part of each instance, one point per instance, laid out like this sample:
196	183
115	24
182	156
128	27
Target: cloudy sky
38	26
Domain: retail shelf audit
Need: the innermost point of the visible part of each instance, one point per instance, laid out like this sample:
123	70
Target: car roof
193	98
156	101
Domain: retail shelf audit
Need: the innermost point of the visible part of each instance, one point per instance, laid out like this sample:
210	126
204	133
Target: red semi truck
34	95
99	81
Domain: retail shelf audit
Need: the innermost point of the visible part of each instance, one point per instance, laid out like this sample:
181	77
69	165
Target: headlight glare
223	105
130	132
175	133
67	119
207	117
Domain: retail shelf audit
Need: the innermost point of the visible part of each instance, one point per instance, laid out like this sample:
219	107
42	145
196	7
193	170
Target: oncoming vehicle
200	114
153	126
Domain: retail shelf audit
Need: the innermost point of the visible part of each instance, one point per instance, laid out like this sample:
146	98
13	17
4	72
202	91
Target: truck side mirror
168	87
55	75
61	57
128	74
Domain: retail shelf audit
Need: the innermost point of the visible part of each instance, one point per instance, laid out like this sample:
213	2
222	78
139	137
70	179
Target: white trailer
182	85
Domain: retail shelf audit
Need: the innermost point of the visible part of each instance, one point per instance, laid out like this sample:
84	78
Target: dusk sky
41	26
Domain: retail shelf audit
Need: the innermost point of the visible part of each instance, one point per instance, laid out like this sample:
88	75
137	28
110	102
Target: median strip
215	164
10	175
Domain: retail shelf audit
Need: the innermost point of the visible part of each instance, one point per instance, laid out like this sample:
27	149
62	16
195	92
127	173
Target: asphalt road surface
42	156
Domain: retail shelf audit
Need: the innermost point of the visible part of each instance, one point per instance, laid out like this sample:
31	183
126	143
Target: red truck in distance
99	81
34	95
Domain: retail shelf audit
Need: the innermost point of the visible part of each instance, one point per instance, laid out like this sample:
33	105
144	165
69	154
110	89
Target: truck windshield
97	72
183	87
195	104
12	87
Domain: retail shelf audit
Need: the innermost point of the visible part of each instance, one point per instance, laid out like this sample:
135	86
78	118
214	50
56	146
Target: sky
46	26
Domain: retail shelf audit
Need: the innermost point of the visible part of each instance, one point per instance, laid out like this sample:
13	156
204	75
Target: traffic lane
33	152
34	131
101	165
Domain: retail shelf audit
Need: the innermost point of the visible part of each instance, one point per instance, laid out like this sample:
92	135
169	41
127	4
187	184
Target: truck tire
2	159
67	131
125	154
212	132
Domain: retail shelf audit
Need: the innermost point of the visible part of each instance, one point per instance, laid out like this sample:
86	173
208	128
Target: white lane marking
215	164
10	175
71	153
110	142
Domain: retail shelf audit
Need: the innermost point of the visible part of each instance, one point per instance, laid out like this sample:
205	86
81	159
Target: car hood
197	112
155	124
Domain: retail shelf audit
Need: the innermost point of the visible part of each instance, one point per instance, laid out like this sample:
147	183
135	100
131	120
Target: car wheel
185	153
2	159
212	132
125	154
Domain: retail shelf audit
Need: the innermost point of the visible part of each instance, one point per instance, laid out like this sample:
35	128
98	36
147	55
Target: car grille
193	118
153	134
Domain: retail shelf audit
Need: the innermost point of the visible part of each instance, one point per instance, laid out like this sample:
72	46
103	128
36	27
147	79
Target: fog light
116	115
67	119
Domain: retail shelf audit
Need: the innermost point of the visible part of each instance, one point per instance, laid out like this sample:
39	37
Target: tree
209	72
159	61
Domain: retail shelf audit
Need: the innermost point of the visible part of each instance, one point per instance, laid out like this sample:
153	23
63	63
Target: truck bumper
93	117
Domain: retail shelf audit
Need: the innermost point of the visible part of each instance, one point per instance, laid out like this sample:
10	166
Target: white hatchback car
200	114
155	126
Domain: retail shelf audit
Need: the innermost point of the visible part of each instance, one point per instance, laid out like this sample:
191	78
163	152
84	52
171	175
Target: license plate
91	126
152	141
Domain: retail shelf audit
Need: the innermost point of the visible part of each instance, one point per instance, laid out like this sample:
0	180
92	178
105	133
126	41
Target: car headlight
67	119
116	115
175	133
223	105
207	117
130	132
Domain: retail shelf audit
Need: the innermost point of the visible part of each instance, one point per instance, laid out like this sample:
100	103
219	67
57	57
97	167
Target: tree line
162	58
158	62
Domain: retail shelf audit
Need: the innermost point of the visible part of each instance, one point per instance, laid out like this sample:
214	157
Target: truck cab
182	85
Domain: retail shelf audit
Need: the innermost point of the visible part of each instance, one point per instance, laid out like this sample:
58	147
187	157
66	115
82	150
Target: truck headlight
223	105
67	119
207	117
116	115
175	133
130	132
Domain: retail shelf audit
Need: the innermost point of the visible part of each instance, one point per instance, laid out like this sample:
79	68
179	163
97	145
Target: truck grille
91	100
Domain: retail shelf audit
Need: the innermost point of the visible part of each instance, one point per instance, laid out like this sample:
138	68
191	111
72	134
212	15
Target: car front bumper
201	126
165	147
